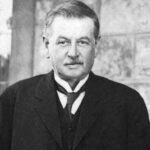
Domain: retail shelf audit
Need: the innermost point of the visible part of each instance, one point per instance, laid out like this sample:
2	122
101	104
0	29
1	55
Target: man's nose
73	51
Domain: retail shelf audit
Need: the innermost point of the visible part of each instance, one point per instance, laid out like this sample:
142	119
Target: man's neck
74	85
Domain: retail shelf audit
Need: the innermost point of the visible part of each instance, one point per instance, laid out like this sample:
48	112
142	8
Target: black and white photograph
74	75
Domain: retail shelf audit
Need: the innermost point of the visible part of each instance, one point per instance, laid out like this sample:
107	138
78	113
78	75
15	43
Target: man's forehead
72	25
68	20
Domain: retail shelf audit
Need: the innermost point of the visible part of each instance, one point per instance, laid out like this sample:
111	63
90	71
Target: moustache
74	63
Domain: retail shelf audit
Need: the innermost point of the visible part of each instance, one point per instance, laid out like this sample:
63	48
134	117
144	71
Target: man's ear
97	45
46	42
97	40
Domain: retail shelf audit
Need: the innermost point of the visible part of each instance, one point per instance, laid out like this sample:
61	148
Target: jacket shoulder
27	83
22	87
120	94
116	89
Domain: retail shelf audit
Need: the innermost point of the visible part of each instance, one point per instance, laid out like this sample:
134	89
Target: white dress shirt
63	97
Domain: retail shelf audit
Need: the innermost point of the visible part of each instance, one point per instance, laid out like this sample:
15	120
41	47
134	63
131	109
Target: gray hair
73	8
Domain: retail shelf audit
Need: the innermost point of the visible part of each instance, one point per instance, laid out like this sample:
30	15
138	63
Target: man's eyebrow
81	38
85	38
62	37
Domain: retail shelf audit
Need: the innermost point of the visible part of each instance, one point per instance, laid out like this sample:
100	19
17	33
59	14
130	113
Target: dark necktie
71	97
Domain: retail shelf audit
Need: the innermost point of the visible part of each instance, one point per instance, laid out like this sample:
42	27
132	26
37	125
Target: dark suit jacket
113	117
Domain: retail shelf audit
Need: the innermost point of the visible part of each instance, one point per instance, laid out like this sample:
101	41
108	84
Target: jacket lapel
47	106
89	109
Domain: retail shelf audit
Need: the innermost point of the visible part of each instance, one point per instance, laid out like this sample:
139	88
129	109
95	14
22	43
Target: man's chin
71	76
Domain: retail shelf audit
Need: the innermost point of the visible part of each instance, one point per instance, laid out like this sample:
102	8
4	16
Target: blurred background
124	49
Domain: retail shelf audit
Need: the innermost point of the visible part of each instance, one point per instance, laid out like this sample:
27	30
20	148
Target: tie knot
71	97
64	91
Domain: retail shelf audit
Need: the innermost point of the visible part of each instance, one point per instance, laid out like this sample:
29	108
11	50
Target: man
44	113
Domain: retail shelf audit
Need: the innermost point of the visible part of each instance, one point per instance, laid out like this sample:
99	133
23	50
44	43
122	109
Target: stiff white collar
65	84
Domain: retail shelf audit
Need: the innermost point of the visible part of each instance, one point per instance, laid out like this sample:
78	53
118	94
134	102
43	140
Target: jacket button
70	129
69	147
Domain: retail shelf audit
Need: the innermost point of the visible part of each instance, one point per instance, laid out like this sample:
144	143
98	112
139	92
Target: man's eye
62	43
83	43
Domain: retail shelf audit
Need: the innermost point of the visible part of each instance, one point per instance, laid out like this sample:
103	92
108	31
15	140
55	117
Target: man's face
71	47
